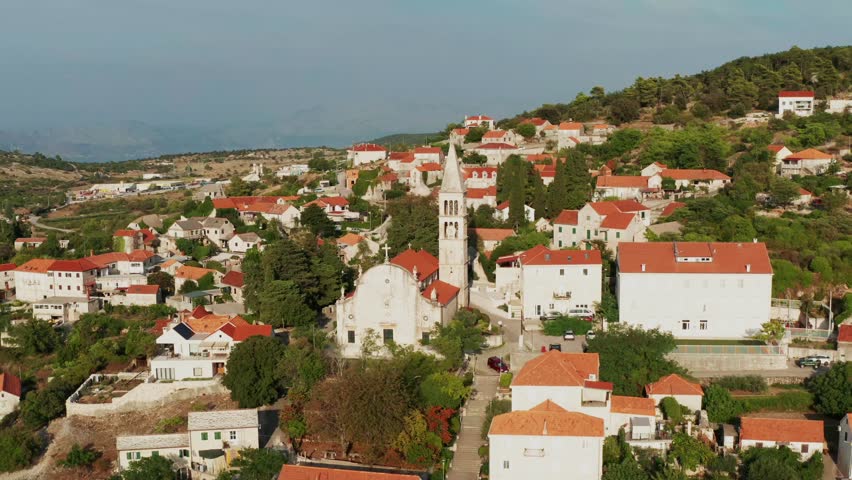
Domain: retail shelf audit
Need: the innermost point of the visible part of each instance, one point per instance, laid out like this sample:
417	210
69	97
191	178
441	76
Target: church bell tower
452	228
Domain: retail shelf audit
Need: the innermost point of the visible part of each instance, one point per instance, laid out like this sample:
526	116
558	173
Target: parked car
814	361
555	346
551	315
568	335
497	364
590	335
581	312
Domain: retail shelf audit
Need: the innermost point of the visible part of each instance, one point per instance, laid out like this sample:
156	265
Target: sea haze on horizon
103	80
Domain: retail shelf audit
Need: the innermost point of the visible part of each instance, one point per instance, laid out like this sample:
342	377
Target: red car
498	365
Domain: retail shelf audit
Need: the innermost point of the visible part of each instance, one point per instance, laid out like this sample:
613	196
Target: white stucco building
543	442
479	121
40	279
496	153
844	446
800	102
804	437
502	212
704	179
243	242
10	393
807	162
551	280
688	394
627	187
695	289
611	222
365	153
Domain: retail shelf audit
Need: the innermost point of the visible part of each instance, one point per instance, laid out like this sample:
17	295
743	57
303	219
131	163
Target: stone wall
146	395
704	362
798	352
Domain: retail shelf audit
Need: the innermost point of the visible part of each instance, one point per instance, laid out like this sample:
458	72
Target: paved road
466	462
34	221
791	371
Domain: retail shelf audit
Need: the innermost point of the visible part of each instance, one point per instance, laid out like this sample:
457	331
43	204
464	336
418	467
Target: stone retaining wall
728	362
146	395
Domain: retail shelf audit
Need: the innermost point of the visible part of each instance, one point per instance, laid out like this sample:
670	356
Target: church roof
453	181
444	292
424	261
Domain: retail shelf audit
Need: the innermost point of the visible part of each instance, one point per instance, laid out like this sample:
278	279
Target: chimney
643	267
544	432
748	268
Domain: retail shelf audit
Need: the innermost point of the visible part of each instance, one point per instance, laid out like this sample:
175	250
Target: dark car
498	365
556	346
814	361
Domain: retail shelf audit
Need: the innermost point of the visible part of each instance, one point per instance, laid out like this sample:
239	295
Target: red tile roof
367	147
428	150
482	192
193	273
541	255
10	383
659	257
480	172
567	217
673	384
332	201
429	167
547	419
401	156
570	126
444	292
350	239
795	93
632	405
233	279
694	174
541	157
31	240
425	262
494	134
245	330
775	148
618	220
557	369
598	385
461	131
493	234
782	430
305	472
36	265
617	206
79	265
5	267
844	333
503	205
622	181
496	146
670	208
143	289
478	117
809	154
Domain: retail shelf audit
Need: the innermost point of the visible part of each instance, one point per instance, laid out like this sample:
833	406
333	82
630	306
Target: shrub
80	457
506	380
17	449
746	383
792	401
170	425
720	406
671	409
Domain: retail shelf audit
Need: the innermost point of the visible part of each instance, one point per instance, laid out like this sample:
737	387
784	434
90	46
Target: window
617	234
560	229
232	435
759	444
573	230
196	372
551	306
155	453
204	435
560	243
561	272
425	337
505	464
586	272
350	336
702	325
804	448
217	435
130	455
183	453
387	335
684	324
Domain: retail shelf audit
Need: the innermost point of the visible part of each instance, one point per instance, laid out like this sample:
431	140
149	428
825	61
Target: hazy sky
364	65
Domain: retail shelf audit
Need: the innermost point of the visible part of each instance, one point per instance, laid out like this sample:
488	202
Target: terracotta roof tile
425	262
782	430
547	419
6	267
305	472
493	234
243	331
541	255
478	117
31	240
570	126
567	217
673	384
10	383
36	265
670	208
632	405
557	369
143	289
476	193
367	147
428	150
193	273
496	146
444	292
233	278
694	174
809	154
494	134
795	93
844	333
618	220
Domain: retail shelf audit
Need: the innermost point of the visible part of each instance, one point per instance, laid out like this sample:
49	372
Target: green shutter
204	435
217	435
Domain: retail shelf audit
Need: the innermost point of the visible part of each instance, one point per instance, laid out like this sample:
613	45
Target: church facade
403	300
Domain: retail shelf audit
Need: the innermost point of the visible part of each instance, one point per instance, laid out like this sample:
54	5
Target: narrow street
466	462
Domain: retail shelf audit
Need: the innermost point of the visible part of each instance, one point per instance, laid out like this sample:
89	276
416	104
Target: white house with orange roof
568	135
337	208
7	279
428	155
471	121
334	472
541	442
539	124
457	136
699	178
627	187
365	154
243	242
285	214
186	273
611	222
806	162
496	152
800	102
563	281
844	446
476	176
477	197
779	152
695	289
199	347
40	279
138	294
351	245
689	394
501	212
499	136
572	381
234	282
804	437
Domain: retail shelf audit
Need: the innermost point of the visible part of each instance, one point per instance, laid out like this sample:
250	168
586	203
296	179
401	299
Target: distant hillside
733	88
405	138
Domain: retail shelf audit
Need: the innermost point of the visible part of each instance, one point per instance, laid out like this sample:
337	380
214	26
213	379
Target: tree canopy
253	375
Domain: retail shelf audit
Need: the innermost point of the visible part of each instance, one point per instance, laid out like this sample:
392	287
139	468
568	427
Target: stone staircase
466	461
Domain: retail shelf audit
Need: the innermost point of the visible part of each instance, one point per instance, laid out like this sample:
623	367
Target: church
402	300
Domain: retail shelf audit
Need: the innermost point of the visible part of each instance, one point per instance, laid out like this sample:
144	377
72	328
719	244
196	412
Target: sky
363	67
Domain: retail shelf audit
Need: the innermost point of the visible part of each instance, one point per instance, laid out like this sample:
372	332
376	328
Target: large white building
365	153
804	437
801	103
402	300
806	162
40	279
611	222
705	179
551	280
695	289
